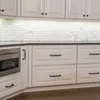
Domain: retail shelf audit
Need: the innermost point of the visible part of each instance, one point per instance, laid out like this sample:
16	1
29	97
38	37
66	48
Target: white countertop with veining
53	38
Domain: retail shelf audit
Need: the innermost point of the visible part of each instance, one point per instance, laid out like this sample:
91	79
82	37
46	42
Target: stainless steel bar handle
9	86
54	75
94	53
56	55
94	73
24	54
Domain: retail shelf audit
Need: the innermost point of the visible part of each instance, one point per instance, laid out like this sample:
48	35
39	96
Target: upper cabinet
55	8
8	7
75	8
43	8
32	8
93	9
83	9
78	9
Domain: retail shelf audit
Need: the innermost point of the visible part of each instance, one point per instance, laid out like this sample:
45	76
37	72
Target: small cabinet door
8	7
75	8
24	66
32	8
55	8
93	9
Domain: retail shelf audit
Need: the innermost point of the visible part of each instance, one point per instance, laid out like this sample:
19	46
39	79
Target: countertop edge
23	44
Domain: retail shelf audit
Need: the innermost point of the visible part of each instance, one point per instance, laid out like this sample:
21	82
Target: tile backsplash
18	30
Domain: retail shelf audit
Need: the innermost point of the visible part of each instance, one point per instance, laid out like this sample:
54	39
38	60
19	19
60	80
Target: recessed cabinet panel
75	9
53	75
93	9
32	8
55	8
49	55
88	54
88	73
8	7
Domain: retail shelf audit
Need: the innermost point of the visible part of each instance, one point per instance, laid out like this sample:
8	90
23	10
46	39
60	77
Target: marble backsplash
29	30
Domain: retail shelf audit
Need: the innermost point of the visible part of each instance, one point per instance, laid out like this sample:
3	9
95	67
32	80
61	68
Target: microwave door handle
24	54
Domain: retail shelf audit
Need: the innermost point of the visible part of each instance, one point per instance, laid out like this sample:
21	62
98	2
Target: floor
74	94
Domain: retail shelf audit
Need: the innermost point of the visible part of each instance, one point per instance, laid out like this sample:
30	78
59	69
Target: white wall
39	30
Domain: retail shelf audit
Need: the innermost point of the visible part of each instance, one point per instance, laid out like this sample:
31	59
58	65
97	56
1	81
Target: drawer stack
88	69
53	65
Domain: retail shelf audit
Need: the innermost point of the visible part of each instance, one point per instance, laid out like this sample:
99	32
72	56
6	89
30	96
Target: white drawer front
48	55
88	73
54	75
89	54
10	87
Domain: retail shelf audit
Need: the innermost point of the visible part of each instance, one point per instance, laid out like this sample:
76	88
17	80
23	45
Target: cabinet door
75	9
8	7
32	8
93	9
24	66
55	8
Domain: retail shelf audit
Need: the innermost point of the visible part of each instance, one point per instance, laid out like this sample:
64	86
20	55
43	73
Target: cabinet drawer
88	73
89	54
10	86
54	75
48	55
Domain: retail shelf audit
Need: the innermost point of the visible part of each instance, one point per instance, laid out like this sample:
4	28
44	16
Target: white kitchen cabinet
10	84
88	73
43	8
8	7
55	8
53	75
88	54
53	65
75	9
32	8
24	66
54	55
93	9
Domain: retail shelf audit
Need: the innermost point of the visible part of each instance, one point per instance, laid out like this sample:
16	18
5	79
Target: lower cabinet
10	84
88	73
53	75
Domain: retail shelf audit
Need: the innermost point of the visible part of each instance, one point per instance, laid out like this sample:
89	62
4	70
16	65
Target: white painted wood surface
53	75
54	55
88	73
9	6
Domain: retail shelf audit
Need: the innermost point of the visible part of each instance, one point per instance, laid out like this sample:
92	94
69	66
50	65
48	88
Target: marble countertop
52	38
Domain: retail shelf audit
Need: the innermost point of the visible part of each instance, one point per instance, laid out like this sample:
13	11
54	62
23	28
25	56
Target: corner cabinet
43	8
24	66
8	7
83	9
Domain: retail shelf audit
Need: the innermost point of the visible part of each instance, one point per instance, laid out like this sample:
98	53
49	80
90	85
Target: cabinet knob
45	13
42	13
87	15
83	15
2	10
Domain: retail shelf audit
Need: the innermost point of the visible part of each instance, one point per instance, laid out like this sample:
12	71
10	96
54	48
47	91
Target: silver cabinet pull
94	53
56	55
54	75
9	86
96	73
24	54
